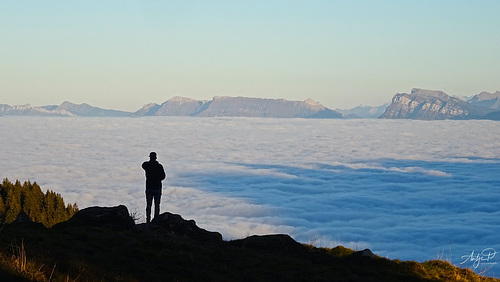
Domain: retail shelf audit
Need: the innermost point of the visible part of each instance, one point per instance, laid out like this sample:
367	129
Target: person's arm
163	174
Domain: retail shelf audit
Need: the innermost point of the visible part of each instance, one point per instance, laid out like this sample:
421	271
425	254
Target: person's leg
149	202
157	199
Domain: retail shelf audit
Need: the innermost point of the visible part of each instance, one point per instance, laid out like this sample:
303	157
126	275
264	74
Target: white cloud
405	189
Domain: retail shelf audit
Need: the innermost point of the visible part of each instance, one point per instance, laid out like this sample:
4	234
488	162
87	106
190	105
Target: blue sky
124	54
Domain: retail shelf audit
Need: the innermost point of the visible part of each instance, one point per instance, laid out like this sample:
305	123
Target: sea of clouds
410	190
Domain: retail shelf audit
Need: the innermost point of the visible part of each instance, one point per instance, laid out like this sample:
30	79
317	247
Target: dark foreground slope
104	244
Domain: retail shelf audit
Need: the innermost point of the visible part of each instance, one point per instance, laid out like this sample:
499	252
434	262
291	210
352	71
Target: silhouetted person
154	175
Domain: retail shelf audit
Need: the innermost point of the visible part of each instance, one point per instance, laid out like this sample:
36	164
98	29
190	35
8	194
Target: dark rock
115	218
186	228
25	221
22	217
367	253
271	243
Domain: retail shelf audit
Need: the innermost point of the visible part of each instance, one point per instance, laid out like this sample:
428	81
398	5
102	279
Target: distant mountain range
419	104
65	109
239	107
179	106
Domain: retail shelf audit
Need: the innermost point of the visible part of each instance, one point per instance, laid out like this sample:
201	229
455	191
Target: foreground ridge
104	244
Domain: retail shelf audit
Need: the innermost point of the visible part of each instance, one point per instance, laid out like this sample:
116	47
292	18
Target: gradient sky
124	54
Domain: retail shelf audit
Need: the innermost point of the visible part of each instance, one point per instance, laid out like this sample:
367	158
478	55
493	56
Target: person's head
152	156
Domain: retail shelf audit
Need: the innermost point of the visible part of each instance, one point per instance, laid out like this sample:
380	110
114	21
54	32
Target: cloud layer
405	189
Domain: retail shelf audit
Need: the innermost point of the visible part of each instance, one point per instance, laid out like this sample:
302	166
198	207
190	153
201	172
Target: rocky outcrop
118	218
366	253
430	105
22	217
178	226
115	218
269	243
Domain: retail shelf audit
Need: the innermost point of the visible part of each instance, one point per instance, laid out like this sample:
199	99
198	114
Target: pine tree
48	208
12	204
2	209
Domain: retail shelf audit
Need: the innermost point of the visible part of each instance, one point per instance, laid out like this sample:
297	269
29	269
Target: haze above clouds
124	54
405	189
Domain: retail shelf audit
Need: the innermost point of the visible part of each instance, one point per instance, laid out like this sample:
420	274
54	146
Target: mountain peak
429	93
181	99
487	100
429	105
147	110
66	103
310	101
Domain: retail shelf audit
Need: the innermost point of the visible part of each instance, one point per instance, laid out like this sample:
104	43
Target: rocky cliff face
430	105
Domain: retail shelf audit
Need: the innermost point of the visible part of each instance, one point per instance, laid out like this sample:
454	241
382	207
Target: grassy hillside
77	250
32	252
